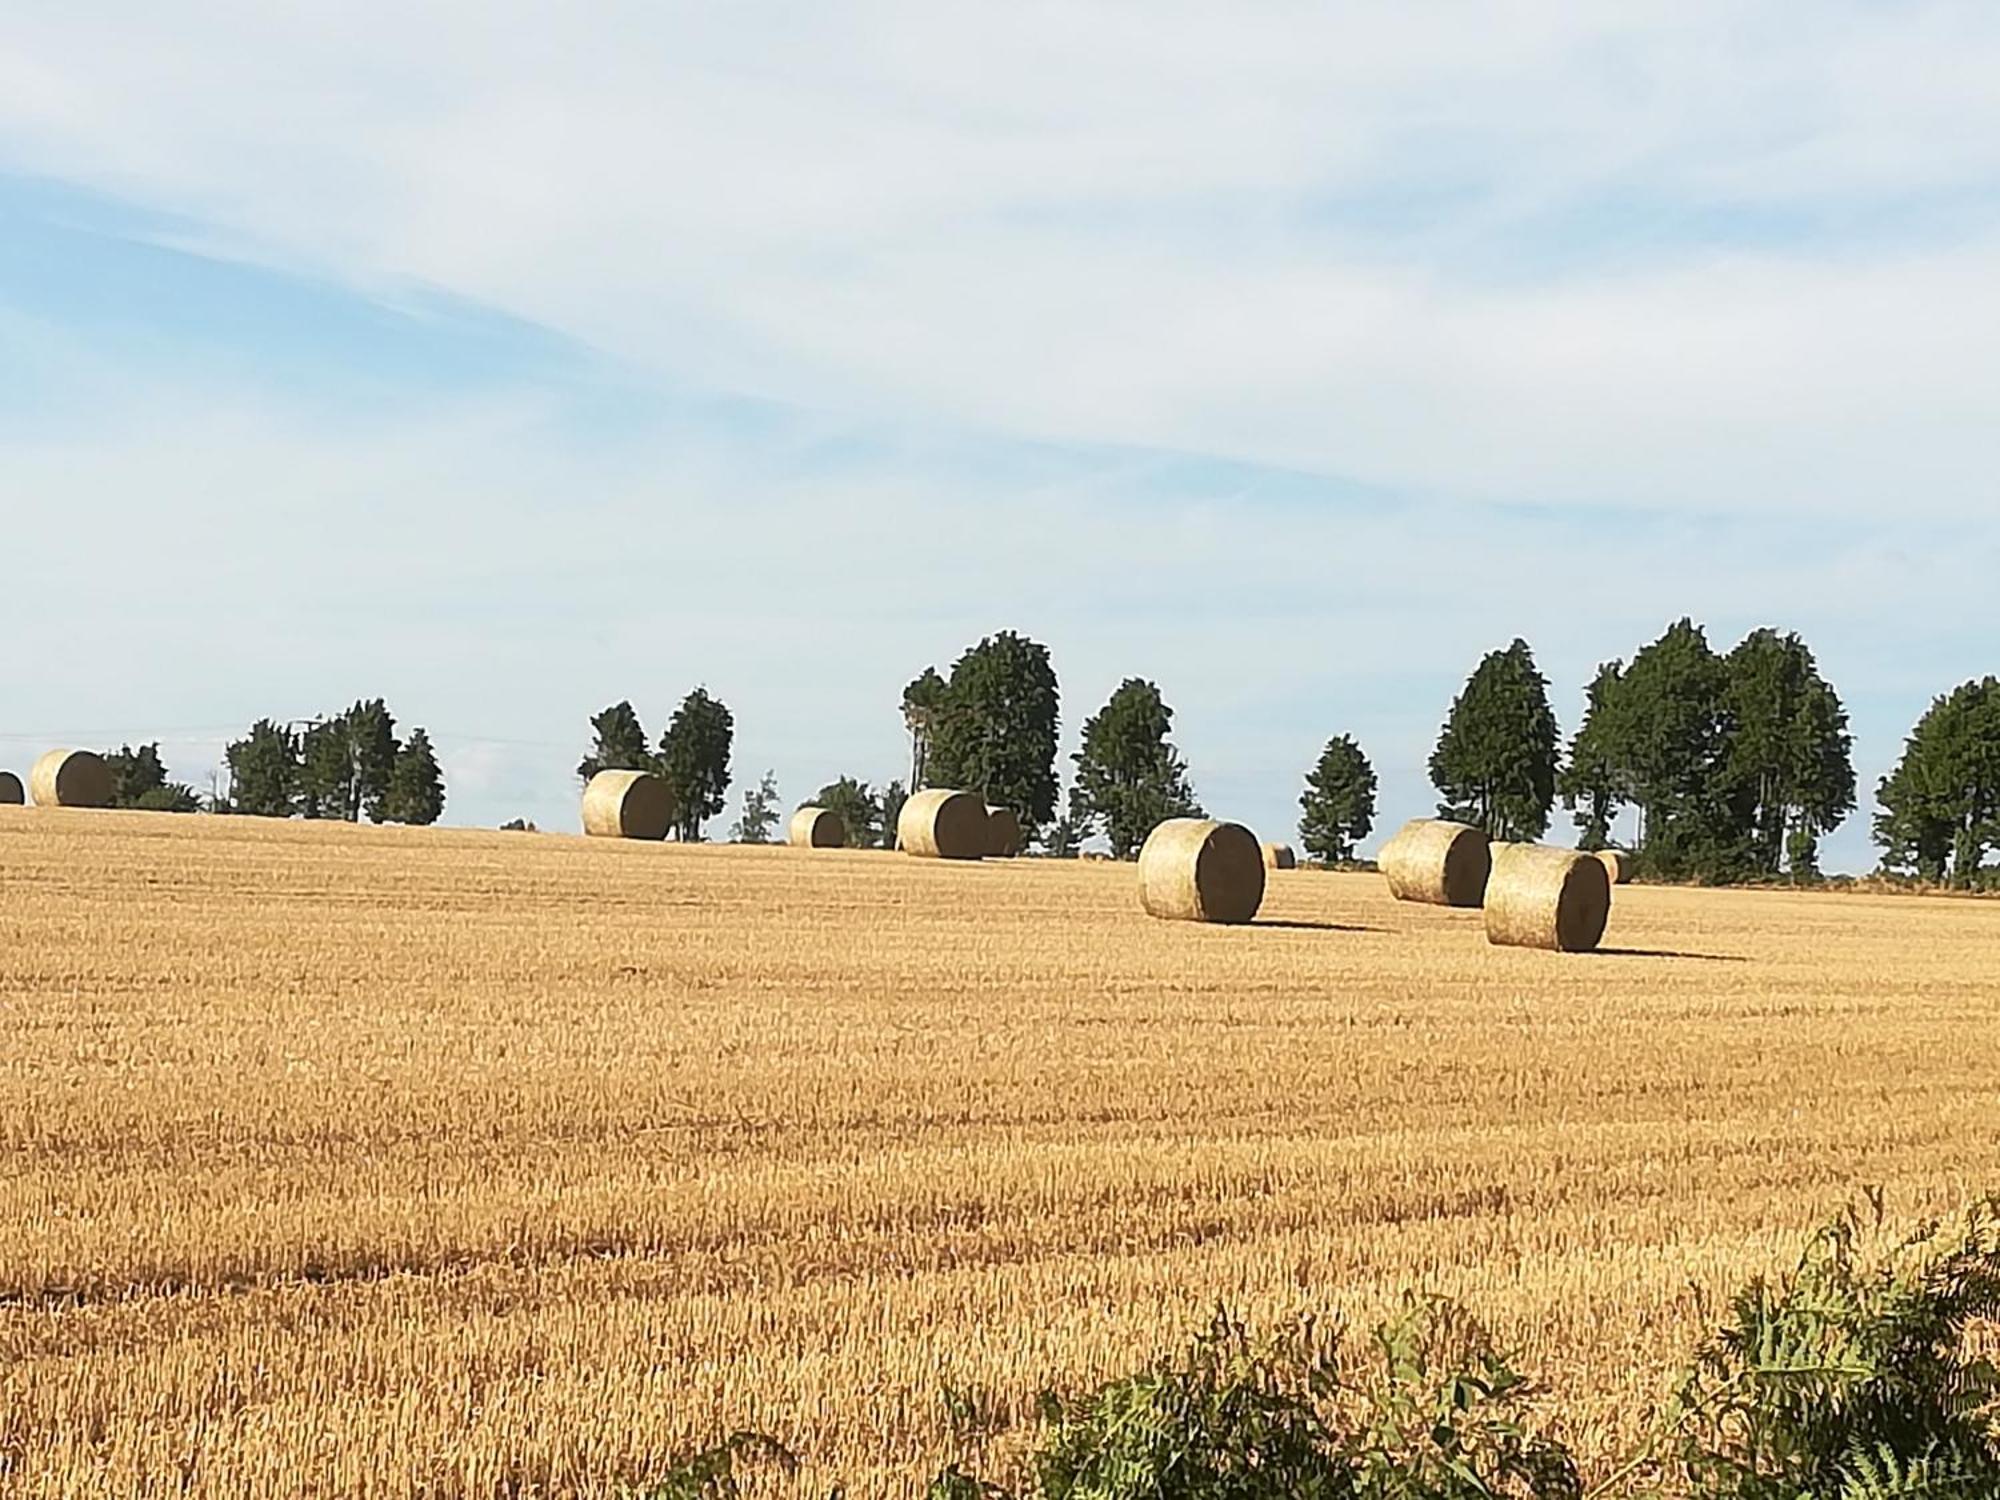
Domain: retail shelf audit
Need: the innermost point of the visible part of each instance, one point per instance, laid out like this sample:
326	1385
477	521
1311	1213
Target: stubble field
344	1162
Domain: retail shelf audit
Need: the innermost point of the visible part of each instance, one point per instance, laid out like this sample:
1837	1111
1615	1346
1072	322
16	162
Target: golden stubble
356	1162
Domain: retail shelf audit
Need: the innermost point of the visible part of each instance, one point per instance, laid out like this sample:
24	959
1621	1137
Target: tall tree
1129	776
1593	782
619	743
1673	733
1789	766
372	747
694	759
415	793
264	771
1065	837
760	812
859	808
922	700
1941	805
326	770
995	732
1337	808
134	773
1495	762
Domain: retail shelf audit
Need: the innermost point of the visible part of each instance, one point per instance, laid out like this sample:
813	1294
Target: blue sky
507	363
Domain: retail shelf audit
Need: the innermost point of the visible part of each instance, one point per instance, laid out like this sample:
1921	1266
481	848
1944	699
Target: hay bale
1198	870
1280	857
71	778
817	828
1617	864
11	794
627	805
1442	864
1003	833
1555	899
943	824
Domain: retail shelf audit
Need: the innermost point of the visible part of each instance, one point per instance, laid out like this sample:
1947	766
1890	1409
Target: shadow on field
1283	926
1705	958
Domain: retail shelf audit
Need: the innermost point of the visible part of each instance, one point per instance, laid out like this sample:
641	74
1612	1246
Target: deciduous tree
1129	776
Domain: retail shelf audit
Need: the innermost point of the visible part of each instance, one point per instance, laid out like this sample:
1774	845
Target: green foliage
264	771
694	759
760	812
894	795
994	732
1065	837
859	808
1941	805
713	1473
169	796
1857	1377
1669	735
1593	782
1337	808
1789	764
1495	762
134	773
346	762
923	700
619	743
1129	777
415	794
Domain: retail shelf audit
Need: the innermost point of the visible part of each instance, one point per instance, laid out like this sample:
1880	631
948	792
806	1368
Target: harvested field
370	1162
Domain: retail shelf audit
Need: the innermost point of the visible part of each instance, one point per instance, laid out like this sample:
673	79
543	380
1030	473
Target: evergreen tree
894	795
995	731
1129	776
1789	765
326	771
1941	805
859	809
1593	783
1338	805
619	745
760	812
694	759
169	796
415	793
1673	735
1495	762
922	700
134	773
264	771
373	749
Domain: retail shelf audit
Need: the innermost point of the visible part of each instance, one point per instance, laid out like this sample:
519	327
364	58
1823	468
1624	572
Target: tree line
1731	765
343	767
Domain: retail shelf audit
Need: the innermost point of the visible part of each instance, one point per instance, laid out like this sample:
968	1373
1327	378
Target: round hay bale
1280	857
1442	864
943	824
71	778
627	805
11	794
817	828
1555	899
1003	833
1198	870
1617	864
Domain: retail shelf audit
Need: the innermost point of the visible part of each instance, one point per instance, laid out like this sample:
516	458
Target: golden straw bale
1443	864
71	778
1540	897
943	824
817	828
1618	864
1003	833
11	794
1199	870
627	805
1280	857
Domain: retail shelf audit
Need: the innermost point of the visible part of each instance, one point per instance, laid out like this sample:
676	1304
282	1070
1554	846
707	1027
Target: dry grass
374	1162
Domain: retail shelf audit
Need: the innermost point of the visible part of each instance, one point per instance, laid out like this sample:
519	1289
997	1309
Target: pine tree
922	701
373	749
694	759
1941	805
859	810
894	795
1673	742
1789	764
1593	782
264	771
619	744
1495	762
760	812
1129	776
415	793
1338	805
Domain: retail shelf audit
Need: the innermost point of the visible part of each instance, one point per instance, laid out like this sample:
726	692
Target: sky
507	360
